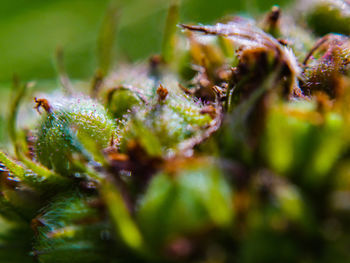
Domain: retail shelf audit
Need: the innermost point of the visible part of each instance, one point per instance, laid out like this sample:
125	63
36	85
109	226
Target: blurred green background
30	31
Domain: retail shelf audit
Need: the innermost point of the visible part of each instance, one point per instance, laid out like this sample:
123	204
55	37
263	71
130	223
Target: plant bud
62	130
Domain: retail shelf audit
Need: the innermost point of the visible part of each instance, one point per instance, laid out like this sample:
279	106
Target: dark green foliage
71	229
310	146
12	248
226	148
197	193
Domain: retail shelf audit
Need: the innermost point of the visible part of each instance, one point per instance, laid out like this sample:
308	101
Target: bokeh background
31	31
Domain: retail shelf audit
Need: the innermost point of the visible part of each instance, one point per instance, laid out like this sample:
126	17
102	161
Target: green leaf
124	225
